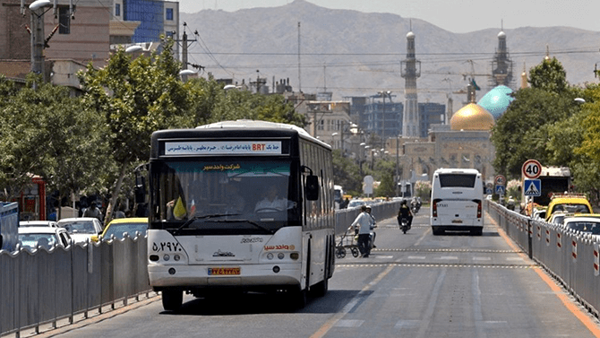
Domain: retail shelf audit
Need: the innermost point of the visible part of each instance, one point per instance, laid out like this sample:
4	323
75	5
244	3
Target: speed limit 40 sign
532	169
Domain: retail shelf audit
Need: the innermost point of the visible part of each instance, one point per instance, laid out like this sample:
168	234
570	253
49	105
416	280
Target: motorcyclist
404	213
510	204
415	204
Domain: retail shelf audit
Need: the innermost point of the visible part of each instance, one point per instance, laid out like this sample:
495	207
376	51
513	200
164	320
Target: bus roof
254	124
456	171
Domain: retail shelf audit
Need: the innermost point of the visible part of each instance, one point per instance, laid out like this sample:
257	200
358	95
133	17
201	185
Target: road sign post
531	170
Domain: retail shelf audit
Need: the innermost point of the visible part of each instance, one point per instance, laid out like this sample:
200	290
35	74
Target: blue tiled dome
497	100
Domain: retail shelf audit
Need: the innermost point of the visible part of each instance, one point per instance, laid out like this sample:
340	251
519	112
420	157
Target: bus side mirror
311	190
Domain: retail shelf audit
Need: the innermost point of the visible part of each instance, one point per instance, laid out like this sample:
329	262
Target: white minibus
456	201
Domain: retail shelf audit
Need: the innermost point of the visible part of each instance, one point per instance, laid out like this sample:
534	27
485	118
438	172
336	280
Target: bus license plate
223	271
456	221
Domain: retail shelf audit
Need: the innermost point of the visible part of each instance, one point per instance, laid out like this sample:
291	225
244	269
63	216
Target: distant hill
354	53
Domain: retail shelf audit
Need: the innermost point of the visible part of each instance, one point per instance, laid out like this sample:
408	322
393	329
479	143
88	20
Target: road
413	285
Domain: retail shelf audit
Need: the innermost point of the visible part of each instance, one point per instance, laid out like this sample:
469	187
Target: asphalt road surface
413	285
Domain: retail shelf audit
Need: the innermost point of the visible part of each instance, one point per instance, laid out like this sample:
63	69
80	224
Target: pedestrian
372	225
92	211
363	223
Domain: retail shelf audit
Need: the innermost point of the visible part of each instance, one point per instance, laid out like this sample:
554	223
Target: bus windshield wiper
195	218
248	221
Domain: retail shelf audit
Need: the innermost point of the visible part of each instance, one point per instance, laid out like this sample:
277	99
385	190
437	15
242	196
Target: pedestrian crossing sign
533	187
500	190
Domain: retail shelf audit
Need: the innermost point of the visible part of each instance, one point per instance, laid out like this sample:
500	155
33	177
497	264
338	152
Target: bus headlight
294	256
280	255
269	256
176	258
166	257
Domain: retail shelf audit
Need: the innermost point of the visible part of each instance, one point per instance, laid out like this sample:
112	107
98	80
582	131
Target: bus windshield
231	195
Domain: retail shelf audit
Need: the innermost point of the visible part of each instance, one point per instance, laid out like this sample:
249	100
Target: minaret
502	73
410	71
524	77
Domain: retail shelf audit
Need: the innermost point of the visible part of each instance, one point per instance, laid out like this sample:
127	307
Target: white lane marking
514	259
348	307
417	257
349	323
449	257
386	257
482	258
407	323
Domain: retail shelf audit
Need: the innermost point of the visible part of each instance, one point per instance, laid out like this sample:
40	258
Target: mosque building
465	141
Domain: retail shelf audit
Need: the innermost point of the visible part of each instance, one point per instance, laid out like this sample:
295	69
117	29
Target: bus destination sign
222	147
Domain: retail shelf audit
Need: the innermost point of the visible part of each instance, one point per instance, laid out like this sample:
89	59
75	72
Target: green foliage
525	130
45	132
549	76
346	173
384	172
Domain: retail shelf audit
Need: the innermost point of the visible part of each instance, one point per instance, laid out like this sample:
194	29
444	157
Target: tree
136	98
524	130
549	76
346	173
45	132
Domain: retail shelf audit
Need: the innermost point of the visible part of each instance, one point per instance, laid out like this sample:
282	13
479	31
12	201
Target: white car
51	224
81	228
587	225
44	236
558	218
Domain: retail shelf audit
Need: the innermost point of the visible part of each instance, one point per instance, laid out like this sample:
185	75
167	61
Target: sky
457	16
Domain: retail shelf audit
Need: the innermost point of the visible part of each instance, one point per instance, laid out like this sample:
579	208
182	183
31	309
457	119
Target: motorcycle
414	208
404	225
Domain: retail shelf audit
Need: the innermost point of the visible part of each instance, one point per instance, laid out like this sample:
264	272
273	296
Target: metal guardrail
381	211
570	256
42	287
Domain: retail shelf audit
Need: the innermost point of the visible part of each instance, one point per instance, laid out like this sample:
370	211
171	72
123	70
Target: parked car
588	225
48	237
558	218
51	224
81	228
570	203
119	226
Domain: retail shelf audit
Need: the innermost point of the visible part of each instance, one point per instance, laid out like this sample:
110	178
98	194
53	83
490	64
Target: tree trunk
115	195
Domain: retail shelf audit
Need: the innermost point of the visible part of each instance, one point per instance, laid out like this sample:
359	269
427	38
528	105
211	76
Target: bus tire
172	299
437	231
477	232
320	289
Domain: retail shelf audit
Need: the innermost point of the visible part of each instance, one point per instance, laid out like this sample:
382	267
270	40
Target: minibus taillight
434	207
478	208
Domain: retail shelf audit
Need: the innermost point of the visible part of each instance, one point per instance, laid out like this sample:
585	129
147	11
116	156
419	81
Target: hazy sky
457	16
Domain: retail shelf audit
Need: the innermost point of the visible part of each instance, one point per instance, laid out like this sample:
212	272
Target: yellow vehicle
119	226
569	203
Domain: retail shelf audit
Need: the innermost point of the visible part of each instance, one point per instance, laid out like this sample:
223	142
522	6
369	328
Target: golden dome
472	117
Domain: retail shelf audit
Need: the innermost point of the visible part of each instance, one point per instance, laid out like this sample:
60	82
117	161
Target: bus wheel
172	299
320	289
437	231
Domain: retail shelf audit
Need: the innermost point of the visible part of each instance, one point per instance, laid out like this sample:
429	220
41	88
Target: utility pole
37	41
184	53
397	180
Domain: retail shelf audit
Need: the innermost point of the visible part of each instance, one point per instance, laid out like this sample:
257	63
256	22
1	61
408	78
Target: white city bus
456	201
206	231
